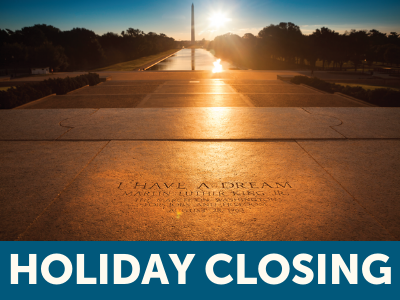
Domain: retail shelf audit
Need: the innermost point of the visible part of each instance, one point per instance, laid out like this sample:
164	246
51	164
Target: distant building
193	30
40	70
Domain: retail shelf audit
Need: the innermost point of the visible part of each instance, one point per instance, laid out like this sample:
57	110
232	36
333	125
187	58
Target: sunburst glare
217	66
218	19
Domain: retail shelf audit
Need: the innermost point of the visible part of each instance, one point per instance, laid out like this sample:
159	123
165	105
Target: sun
218	19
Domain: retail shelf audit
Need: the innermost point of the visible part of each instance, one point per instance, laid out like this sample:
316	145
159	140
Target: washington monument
193	34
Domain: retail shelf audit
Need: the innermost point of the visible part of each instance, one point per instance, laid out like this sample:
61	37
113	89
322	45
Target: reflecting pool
190	59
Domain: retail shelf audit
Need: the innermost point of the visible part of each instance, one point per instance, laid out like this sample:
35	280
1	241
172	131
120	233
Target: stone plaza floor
239	155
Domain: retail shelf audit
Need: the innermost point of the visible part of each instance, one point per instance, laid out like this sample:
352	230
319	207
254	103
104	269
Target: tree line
285	46
76	49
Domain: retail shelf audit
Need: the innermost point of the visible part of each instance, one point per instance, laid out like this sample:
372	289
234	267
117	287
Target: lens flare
217	66
218	20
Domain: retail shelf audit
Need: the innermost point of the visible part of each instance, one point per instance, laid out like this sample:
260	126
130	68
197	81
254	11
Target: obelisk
193	35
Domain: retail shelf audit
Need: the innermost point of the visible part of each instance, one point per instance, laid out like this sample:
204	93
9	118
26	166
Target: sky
173	17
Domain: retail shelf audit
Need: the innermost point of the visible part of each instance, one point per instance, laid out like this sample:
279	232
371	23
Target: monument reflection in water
193	59
190	60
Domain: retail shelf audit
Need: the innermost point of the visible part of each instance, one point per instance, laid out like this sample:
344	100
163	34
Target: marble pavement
167	157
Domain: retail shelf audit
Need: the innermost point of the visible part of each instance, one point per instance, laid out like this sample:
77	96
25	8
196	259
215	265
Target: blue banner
199	270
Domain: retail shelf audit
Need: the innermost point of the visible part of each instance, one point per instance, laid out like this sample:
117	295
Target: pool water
190	59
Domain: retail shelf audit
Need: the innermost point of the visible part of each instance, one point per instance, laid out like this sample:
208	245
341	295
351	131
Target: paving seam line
69	127
341	122
159	87
129	85
354	198
211	84
245	98
232	88
254	140
142	103
259	84
219	93
59	194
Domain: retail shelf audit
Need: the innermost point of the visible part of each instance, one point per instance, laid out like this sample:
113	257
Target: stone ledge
313	88
33	103
285	77
77	89
355	99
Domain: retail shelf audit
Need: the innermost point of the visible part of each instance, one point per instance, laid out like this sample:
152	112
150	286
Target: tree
4	36
280	41
134	32
82	48
371	55
377	38
52	34
326	43
310	50
381	50
132	44
78	48
47	55
30	36
229	47
113	47
358	45
392	55
250	40
14	55
340	50
394	39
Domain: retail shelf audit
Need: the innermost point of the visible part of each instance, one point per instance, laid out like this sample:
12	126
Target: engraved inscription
224	197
